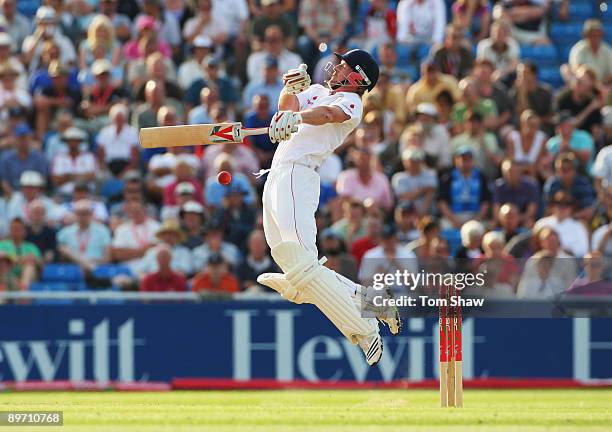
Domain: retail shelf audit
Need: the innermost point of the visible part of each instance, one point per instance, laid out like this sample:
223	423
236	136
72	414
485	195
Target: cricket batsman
312	122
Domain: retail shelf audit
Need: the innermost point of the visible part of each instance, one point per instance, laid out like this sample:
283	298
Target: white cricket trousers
290	200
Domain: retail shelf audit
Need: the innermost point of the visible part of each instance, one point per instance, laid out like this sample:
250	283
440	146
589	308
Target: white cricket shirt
311	145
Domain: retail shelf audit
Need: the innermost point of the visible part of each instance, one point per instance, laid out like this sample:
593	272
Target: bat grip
245	132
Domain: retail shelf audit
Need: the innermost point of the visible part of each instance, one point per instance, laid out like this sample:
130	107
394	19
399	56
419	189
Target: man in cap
75	165
435	136
23	157
46	30
191	70
216	277
570	139
171	235
60	94
31	188
214	242
464	192
6	56
17	25
212	76
193	217
416	184
11	95
271	85
85	242
312	122
593	51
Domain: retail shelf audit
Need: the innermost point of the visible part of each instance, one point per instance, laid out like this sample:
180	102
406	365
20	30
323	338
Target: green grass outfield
318	410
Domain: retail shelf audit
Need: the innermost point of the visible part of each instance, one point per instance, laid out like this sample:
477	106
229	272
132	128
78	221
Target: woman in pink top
146	27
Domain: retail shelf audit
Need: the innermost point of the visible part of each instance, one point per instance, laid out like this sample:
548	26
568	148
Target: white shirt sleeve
351	104
403	20
439	21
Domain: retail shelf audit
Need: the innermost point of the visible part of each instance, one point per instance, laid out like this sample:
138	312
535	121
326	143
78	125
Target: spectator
584	100
32	186
8	280
75	165
102	95
435	137
379	26
85	242
273	46
270	86
121	22
500	269
548	272
577	186
209	102
184	192
26	255
272	15
191	70
157	68
592	51
526	146
388	257
470	250
53	144
416	184
237	216
17	25
405	217
192	219
568	139
387	57
593	281
516	189
473	17
24	157
260	116
602	167
256	262
420	22
602	210
216	277
322	22
244	158
510	222
214	243
500	49
472	102
464	193
602	240
573	234
212	76
100	35
495	91
528	93
164	279
118	144
429	229
453	57
66	211
430	85
482	143
364	182
146	34
46	30
528	18
55	96
12	96
334	249
170	236
205	24
166	22
352	225
39	231
133	238
7	57
371	239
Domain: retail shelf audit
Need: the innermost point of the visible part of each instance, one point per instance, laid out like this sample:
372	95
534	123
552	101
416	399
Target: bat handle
245	132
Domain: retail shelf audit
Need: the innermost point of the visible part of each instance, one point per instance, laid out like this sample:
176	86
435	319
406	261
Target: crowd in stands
486	139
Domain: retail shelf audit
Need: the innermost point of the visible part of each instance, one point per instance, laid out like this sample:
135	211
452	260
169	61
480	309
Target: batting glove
296	80
283	124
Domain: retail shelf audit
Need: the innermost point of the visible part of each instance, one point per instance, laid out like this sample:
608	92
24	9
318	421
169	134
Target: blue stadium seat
111	270
403	55
552	76
111	188
581	10
68	273
28	7
564	53
606	15
541	55
566	33
423	52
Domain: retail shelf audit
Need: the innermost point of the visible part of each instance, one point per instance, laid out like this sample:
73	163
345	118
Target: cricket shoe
388	315
372	347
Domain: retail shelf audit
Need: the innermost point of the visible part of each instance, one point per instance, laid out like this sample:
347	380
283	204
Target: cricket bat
201	134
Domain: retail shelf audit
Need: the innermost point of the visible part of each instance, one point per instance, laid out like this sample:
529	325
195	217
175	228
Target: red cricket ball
224	177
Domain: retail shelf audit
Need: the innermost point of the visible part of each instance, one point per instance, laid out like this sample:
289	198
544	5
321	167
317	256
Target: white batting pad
321	286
